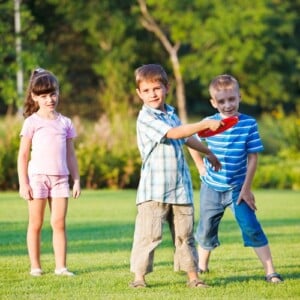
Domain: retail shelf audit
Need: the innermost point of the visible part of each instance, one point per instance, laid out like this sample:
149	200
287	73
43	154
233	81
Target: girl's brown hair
41	82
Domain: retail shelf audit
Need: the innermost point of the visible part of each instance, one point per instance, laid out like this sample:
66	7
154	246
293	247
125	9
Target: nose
152	93
227	104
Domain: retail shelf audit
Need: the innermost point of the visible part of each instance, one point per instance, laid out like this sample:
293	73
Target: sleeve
27	129
71	132
254	143
153	128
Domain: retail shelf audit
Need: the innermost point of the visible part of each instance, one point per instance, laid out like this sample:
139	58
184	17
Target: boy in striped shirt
237	149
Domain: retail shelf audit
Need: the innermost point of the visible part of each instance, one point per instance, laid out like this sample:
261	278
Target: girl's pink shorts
49	186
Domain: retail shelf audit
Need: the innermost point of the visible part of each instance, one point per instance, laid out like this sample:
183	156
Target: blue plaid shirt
165	176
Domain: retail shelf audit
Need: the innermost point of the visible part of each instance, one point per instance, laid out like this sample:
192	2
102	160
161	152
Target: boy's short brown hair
151	72
222	82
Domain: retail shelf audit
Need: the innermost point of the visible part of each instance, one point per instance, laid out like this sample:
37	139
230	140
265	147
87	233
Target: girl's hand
25	191
76	189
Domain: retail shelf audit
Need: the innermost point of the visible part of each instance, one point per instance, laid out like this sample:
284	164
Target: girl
44	177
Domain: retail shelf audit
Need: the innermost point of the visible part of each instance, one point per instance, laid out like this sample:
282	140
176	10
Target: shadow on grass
110	236
82	238
246	278
220	281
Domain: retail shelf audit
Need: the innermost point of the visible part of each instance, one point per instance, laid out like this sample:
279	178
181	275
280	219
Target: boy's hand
213	124
249	198
214	161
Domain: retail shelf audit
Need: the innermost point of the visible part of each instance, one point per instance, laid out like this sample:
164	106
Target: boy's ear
138	92
213	103
167	88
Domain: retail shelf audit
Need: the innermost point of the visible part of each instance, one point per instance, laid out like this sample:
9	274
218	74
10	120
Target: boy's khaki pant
148	235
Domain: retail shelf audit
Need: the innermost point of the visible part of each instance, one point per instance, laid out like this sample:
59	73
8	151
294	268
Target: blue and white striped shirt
232	147
165	176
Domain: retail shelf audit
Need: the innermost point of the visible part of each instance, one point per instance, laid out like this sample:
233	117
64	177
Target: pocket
151	218
184	219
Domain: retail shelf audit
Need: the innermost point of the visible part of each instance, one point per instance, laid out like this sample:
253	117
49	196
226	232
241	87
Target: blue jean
212	208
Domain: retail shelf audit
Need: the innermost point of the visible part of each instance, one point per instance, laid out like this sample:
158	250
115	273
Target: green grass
100	230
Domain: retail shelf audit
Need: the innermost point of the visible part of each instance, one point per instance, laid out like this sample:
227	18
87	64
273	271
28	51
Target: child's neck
47	115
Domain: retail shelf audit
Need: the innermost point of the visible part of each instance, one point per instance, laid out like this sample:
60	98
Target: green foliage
31	51
100	71
9	145
103	169
280	132
108	156
282	172
94	46
240	38
279	165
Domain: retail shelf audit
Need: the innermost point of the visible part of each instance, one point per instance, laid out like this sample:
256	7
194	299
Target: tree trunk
149	23
18	44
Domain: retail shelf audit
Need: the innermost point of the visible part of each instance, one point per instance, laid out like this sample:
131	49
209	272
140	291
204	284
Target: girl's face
153	94
226	102
47	102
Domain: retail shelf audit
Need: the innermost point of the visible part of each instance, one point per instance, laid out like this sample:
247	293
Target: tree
150	24
94	46
257	42
254	41
9	97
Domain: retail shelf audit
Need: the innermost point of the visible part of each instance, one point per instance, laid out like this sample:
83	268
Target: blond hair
223	82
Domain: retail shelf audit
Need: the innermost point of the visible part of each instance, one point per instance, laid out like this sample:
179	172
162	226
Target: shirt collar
169	110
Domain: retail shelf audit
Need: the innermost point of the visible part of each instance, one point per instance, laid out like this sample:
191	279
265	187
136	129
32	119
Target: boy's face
153	94
226	102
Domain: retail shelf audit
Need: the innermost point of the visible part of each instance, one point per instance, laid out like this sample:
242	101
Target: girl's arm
246	194
73	168
23	158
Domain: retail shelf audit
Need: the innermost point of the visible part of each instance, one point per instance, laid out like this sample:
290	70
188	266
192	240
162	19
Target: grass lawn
100	230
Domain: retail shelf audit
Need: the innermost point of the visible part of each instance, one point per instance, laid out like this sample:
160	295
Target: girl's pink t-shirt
49	144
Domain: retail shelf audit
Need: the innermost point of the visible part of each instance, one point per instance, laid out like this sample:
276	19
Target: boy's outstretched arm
194	147
187	130
246	193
